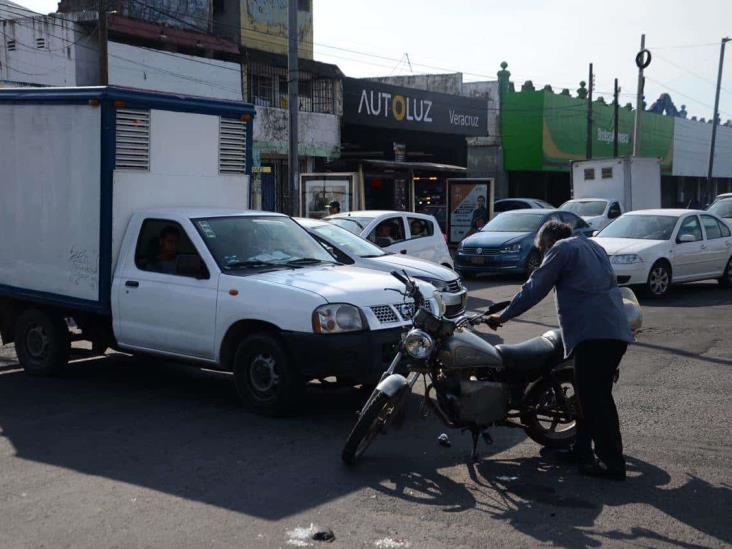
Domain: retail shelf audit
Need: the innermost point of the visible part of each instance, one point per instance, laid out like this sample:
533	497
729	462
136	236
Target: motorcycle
469	383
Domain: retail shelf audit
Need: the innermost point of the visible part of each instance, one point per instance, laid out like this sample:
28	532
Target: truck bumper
363	356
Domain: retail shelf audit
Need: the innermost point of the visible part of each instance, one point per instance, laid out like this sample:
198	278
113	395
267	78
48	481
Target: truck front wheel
41	342
265	380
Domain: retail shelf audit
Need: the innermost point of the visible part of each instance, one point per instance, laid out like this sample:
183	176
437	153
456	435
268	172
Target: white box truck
123	213
604	189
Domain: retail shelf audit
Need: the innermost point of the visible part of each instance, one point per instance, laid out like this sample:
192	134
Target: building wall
692	141
264	26
150	69
53	64
443	83
319	134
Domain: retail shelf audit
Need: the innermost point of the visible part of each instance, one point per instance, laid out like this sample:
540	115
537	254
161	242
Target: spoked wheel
726	280
659	280
377	414
551	416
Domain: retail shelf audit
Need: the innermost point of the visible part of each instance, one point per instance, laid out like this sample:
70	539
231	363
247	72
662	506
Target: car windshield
511	222
644	227
351	224
587	208
722	208
260	241
347	241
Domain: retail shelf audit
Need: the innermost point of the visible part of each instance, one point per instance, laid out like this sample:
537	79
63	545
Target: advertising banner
387	106
319	190
468	208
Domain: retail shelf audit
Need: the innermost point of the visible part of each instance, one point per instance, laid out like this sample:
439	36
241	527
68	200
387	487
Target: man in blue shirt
594	328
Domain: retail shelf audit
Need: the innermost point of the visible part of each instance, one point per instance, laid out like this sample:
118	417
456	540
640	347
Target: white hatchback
657	248
409	233
351	249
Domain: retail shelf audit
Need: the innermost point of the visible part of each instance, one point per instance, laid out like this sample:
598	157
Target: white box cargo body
634	181
76	162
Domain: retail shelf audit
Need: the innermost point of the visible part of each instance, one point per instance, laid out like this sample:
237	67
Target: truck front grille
385	314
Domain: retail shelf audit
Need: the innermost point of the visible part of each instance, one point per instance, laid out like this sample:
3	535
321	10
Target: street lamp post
715	116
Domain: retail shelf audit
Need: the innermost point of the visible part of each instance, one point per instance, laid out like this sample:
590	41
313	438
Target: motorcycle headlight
512	249
626	259
336	318
418	344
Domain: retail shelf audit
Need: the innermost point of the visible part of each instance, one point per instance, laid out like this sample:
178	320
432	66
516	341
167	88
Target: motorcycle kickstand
474	457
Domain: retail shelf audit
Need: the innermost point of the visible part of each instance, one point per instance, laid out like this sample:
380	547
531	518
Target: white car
352	249
407	233
509	204
598	213
658	248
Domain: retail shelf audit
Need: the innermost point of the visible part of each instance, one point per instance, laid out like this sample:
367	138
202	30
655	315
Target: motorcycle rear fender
392	385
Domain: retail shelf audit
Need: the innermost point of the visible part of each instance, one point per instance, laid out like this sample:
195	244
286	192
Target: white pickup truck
150	261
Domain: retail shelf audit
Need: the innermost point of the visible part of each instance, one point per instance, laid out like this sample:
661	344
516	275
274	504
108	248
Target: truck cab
598	213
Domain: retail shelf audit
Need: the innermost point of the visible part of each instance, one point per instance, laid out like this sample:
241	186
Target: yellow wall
264	27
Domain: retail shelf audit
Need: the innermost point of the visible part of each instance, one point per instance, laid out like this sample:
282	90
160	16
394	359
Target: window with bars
267	87
607	173
132	150
232	146
589	174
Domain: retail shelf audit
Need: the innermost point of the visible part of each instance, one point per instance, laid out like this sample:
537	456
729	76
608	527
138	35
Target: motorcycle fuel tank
465	349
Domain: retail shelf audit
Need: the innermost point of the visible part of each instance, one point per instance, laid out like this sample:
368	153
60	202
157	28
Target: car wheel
533	262
659	280
265	379
726	280
42	342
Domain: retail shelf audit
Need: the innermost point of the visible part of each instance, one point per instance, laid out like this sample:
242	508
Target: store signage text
606	136
400	107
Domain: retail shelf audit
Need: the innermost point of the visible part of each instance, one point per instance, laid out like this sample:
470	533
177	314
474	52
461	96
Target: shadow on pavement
694	295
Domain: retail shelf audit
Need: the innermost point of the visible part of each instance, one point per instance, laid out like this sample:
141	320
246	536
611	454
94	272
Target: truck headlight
626	259
336	318
418	344
512	249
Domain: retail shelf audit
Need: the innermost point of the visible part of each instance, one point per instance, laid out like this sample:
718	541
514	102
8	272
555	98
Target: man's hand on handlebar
494	321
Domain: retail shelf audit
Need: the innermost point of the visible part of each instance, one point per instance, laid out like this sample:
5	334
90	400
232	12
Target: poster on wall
469	208
318	191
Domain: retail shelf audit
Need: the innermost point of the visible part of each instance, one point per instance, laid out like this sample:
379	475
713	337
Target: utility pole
616	93
103	35
293	83
589	115
641	64
716	115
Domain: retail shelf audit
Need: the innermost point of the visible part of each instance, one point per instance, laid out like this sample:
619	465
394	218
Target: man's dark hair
170	230
335	205
551	232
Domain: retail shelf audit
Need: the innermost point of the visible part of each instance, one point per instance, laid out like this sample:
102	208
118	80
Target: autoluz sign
386	106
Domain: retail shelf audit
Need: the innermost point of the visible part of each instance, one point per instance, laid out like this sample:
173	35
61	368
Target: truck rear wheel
42	342
265	380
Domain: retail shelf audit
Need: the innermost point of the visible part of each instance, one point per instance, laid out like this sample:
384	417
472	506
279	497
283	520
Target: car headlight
439	285
626	259
418	344
512	249
336	318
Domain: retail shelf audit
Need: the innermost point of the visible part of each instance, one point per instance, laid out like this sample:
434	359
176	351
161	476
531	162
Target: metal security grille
133	139
267	87
385	314
232	146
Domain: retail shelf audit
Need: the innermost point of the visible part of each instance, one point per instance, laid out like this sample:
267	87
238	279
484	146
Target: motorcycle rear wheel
376	415
541	397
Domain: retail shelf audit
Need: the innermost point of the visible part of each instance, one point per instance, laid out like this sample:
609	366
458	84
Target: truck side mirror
191	265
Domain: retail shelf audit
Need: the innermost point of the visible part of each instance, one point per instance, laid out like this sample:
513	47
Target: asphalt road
126	453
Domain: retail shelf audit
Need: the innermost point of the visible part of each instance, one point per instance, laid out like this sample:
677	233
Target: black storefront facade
405	144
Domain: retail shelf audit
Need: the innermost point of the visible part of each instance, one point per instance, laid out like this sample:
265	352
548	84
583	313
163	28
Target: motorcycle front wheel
376	415
551	418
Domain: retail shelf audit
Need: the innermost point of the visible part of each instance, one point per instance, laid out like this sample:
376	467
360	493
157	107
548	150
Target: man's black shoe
599	470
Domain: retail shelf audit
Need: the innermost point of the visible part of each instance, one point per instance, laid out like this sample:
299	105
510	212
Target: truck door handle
403	252
132	284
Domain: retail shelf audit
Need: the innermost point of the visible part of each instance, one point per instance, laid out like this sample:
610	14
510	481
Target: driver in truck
166	260
594	327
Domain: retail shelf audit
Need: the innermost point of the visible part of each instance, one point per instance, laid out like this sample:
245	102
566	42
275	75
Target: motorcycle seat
534	353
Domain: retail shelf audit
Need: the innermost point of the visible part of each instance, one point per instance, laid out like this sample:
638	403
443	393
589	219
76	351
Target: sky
547	42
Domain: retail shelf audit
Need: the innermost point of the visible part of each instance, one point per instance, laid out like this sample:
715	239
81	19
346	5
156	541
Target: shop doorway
430	197
386	193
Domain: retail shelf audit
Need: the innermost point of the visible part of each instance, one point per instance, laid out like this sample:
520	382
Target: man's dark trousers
595	362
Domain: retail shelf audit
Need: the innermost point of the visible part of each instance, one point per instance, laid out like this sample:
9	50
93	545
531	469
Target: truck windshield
644	227
242	242
514	222
345	240
586	208
722	208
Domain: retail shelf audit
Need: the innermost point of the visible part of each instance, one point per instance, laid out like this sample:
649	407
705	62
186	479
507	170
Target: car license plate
477	260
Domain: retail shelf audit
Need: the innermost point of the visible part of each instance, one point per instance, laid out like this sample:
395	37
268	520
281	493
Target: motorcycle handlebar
496	307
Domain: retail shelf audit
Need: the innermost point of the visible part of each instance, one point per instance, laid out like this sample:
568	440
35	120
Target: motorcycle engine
470	400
